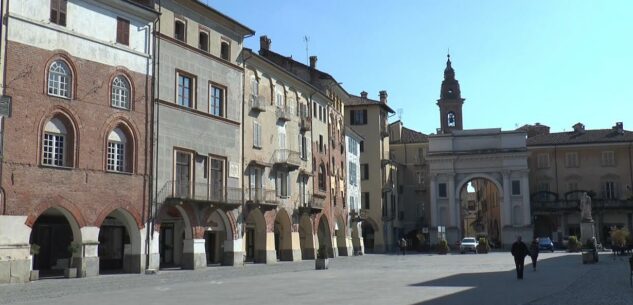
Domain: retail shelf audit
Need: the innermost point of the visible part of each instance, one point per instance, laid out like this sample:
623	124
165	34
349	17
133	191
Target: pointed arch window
121	92
59	79
451	119
117	151
322	177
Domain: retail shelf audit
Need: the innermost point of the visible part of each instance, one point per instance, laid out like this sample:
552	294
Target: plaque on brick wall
234	170
5	105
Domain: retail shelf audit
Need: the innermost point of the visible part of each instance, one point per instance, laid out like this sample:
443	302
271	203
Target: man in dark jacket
519	251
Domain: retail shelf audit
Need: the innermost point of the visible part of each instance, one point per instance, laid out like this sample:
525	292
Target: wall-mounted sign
5	105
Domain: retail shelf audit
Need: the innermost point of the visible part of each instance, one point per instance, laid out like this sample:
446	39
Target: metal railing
283	113
258	102
260	195
287	157
200	191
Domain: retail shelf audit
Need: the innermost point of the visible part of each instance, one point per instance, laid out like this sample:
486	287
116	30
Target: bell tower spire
450	101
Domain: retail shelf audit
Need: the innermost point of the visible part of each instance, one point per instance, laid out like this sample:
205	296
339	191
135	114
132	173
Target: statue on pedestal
585	208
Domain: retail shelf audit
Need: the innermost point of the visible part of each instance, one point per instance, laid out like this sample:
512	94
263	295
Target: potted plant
321	262
483	246
442	247
73	249
35	250
573	245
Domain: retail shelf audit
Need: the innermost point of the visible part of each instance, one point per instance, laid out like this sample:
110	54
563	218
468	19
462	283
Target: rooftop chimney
579	127
619	127
383	96
264	43
313	61
363	94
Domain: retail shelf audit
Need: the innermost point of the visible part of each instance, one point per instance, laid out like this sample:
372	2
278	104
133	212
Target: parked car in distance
468	244
545	243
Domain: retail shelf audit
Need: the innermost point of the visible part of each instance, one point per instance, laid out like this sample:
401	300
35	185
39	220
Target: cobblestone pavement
561	278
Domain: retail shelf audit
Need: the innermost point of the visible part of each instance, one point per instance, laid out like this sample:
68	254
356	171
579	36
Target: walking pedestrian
403	245
534	253
519	251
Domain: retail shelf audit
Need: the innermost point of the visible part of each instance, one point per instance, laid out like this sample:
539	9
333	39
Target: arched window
322	177
225	50
59	79
118	146
180	29
121	92
57	143
451	119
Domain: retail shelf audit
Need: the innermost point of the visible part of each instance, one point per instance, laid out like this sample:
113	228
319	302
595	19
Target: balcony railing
260	196
283	113
201	192
313	204
287	158
258	103
305	124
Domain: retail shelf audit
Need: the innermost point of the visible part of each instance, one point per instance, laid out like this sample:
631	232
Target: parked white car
468	244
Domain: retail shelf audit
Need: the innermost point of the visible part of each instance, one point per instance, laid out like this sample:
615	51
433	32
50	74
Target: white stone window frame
116	160
257	135
542	160
608	158
54	144
121	93
571	159
60	79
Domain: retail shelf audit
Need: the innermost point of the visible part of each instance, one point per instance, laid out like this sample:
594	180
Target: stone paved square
560	278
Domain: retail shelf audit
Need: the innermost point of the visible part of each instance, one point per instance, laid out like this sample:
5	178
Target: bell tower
450	101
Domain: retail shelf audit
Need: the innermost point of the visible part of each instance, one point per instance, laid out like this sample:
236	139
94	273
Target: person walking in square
534	253
403	245
519	251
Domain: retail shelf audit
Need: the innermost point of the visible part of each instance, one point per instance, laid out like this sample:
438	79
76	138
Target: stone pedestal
587	231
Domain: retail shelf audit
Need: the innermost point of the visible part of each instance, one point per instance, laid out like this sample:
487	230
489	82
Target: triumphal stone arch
499	157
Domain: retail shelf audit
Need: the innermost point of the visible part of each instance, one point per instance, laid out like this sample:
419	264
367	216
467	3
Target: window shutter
288	184
364	116
62	12
351	117
278	184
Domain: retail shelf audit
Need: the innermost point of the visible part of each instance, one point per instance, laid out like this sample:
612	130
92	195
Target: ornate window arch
58	142
121	93
119	150
60	79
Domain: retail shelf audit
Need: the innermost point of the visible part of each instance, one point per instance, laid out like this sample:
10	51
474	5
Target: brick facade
85	189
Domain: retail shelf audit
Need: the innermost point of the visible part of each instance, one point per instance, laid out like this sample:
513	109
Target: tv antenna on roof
306	39
400	111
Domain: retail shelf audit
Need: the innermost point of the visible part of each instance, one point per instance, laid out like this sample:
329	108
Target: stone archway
217	233
175	230
119	247
479	205
256	238
369	229
283	236
357	238
324	236
54	230
341	237
306	237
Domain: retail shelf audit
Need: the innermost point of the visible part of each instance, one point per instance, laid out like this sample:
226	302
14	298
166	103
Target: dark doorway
166	245
53	234
210	247
250	244
368	237
113	237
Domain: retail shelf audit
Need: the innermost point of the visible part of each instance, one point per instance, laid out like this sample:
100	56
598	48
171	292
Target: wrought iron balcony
287	158
305	124
283	113
202	192
258	103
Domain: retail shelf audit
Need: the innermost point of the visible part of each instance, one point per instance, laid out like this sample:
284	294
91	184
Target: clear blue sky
548	61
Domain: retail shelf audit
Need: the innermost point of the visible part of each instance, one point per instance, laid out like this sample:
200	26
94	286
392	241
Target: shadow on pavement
503	287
